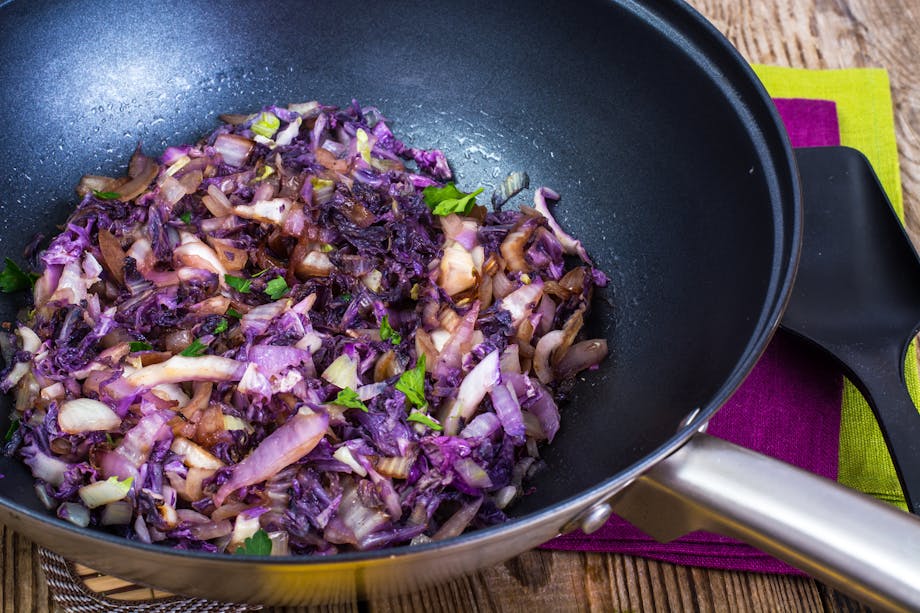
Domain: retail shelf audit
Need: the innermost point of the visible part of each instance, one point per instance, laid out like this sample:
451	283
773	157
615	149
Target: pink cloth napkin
788	408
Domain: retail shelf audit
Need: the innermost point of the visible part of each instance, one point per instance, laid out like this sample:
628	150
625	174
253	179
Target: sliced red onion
194	455
139	440
293	440
463	231
458	521
542	365
234	149
581	356
178	369
483	425
507	409
48	468
194	253
75	513
544	408
217	202
472	389
353	522
472	473
569	244
547	311
254	382
457	269
112	464
143	170
266	211
521	302
451	355
117	513
257	320
211	530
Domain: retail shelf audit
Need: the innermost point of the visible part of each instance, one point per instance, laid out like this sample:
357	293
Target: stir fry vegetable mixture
296	336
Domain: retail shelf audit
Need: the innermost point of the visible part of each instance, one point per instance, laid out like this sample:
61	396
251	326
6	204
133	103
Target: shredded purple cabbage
231	340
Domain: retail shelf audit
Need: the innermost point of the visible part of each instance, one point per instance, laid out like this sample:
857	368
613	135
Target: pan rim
786	258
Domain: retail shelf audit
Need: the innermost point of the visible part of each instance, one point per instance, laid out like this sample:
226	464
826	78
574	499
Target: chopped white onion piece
244	527
180	368
195	455
117	513
86	415
343	454
103	492
343	372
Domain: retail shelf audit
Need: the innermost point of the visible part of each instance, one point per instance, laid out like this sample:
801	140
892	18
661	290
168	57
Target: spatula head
858	284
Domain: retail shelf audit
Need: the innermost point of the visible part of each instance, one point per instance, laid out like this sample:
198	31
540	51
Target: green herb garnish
106	195
14	425
422	418
186	217
276	288
412	383
134	346
448	199
194	350
259	544
349	399
13	278
222	326
346	297
260	273
231	312
239	284
387	332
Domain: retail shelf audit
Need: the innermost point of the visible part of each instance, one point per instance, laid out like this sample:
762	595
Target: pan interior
665	159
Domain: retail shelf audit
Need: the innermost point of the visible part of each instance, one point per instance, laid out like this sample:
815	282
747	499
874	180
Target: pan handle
859	545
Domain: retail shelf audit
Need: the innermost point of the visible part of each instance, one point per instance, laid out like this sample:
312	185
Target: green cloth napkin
866	120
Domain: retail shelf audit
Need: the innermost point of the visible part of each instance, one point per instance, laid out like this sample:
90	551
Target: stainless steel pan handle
857	544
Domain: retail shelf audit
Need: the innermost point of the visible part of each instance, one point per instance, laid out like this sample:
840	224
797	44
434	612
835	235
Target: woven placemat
79	589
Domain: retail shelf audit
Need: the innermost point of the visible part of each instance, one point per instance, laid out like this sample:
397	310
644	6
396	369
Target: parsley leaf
231	312
194	350
13	278
422	418
349	399
387	332
346	297
14	425
139	346
106	195
186	217
259	544
448	199
412	383
221	326
239	284
276	288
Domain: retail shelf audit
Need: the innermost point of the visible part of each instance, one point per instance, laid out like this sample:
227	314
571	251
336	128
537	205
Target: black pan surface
669	157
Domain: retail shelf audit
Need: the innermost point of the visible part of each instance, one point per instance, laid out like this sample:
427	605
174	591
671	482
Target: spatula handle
884	389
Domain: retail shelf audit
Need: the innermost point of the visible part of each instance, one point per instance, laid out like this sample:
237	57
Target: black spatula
857	293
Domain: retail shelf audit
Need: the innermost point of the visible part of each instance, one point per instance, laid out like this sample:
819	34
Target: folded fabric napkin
796	405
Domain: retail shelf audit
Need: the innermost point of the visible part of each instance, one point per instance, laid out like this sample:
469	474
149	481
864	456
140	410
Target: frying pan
675	173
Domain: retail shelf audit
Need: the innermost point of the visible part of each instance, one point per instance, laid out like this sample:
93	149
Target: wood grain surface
800	33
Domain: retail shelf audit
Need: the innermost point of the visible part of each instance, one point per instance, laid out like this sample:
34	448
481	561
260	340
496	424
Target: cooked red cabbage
271	330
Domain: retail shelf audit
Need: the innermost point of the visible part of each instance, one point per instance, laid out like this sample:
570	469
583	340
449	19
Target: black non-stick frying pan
673	167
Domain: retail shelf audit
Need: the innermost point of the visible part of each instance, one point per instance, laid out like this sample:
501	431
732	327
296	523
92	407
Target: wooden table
802	33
